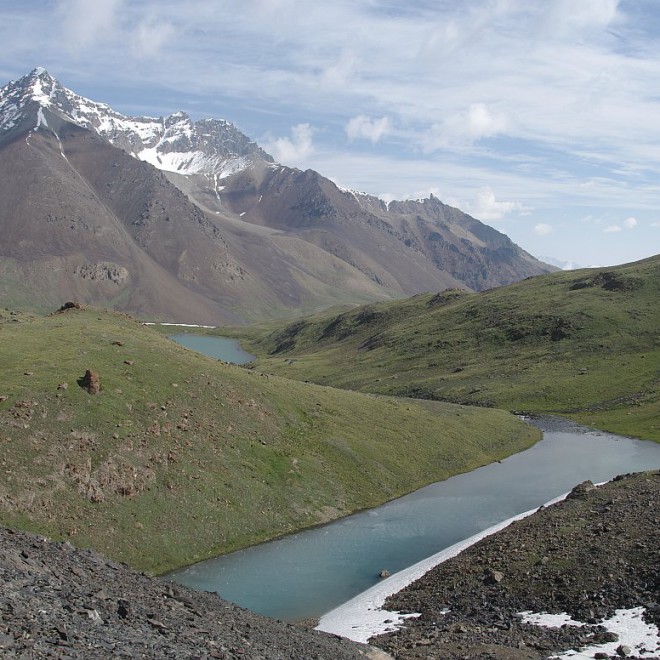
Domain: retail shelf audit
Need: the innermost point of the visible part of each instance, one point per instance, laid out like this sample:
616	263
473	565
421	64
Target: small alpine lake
221	348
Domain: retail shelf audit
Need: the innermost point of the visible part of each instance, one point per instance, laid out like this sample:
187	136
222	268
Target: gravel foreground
595	552
58	602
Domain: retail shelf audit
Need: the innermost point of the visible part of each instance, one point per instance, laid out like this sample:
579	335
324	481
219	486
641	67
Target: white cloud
340	74
388	197
367	128
487	208
271	7
542	229
88	22
151	36
295	150
476	122
479	121
628	223
581	14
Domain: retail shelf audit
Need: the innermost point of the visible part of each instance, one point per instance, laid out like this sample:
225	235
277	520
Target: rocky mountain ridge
284	242
174	143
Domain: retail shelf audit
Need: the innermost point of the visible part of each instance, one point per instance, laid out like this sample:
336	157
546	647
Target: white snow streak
192	162
41	120
642	638
362	617
61	147
180	325
39	94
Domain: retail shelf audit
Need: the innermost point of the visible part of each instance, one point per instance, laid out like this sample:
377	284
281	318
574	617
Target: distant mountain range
562	264
177	220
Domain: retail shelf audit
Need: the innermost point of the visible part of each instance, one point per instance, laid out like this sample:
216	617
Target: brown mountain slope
304	206
68	234
191	221
406	245
83	220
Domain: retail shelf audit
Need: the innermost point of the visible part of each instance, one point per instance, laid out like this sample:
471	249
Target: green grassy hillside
180	457
584	344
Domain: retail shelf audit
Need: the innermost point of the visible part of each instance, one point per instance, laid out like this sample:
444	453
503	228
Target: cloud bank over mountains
549	106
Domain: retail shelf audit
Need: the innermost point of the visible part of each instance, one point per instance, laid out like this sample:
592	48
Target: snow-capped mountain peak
175	143
37	87
43	87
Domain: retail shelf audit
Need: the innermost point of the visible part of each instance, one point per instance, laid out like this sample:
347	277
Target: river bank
307	574
590	555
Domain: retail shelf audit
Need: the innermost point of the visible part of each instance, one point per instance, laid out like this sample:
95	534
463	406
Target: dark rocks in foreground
57	601
594	553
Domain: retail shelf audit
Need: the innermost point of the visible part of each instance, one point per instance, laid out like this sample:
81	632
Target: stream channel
311	572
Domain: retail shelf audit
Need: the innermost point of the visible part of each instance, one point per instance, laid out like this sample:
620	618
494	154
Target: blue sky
539	117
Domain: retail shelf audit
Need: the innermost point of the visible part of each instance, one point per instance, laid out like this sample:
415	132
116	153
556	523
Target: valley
397	345
180	457
583	344
312	572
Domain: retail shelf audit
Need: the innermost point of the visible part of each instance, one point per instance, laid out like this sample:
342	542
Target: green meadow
180	457
583	344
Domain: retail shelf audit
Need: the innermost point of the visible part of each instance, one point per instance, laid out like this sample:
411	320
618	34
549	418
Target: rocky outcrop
68	306
60	602
103	272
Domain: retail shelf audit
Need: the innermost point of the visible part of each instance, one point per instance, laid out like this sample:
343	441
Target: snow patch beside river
180	325
362	617
640	637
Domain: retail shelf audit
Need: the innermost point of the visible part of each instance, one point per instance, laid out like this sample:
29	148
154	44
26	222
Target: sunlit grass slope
584	344
181	457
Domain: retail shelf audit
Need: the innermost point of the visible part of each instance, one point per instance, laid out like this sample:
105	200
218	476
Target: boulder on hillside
91	382
69	305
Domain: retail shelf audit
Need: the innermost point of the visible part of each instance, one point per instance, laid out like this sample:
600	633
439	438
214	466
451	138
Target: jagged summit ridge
17	95
211	147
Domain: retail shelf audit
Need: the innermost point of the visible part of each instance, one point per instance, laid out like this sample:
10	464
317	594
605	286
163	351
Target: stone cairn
91	382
